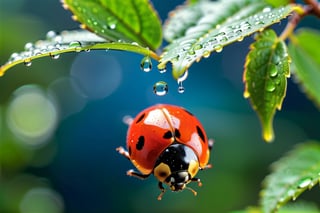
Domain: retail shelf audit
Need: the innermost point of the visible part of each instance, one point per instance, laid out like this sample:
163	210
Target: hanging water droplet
305	183
181	88
76	45
27	62
180	80
162	68
146	64
218	48
270	87
246	94
240	38
206	54
54	55
160	88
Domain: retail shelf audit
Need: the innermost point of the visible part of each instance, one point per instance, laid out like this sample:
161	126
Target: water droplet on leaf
146	64
51	35
218	48
270	87
76	45
27	62
273	72
206	54
28	46
160	88
305	183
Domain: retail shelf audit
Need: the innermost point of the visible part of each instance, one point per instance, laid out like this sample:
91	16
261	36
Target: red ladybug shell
156	127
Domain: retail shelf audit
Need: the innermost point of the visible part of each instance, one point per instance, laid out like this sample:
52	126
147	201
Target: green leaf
291	176
68	41
277	3
131	21
305	55
265	77
299	207
198	29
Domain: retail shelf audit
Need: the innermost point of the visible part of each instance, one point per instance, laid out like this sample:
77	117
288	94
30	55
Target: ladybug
170	143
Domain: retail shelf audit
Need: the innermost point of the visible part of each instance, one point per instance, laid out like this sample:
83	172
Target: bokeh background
61	120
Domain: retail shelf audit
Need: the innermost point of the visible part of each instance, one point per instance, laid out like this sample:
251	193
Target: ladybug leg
123	152
162	190
197	180
132	173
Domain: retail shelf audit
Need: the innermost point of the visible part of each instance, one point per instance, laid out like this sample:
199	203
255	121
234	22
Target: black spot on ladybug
177	133
129	150
140	143
188	112
201	135
167	135
140	118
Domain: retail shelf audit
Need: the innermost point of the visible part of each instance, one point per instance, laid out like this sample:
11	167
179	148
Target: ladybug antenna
192	190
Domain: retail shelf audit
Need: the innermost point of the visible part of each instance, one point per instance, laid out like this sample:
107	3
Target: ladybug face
169	142
176	166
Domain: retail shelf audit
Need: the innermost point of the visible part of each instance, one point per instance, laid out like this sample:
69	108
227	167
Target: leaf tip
268	134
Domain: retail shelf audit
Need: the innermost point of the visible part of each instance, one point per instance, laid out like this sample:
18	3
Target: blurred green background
61	121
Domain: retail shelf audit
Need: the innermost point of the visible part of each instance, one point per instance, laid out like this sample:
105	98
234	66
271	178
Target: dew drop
266	9
51	35
191	52
54	55
246	94
76	45
305	183
197	47
28	46
273	72
27	62
162	68
180	80
160	88
181	88
270	87
224	39
206	54
112	23
13	57
146	64
240	38
218	48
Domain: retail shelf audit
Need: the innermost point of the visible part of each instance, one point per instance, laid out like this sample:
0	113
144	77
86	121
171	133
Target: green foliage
131	21
306	60
196	30
292	175
265	76
56	44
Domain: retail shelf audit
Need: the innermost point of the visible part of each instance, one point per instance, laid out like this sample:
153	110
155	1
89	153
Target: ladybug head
176	166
